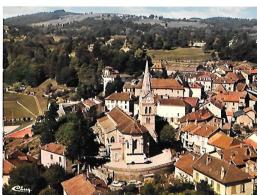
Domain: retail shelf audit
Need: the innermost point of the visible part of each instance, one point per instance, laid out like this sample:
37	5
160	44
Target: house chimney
222	172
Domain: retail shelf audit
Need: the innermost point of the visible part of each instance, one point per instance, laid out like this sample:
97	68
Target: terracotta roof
231	96
223	80
199	115
213	167
241	86
217	103
17	157
54	148
20	133
220	89
203	130
107	124
221	140
239	154
78	185
126	124
163	84
7	167
251	142
185	163
122	96
192	101
172	102
89	103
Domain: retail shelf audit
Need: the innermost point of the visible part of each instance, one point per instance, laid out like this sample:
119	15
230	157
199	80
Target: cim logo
21	189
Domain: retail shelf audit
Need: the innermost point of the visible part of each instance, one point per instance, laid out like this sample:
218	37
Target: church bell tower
147	107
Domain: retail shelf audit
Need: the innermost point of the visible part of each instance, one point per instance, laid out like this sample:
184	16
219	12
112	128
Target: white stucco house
53	153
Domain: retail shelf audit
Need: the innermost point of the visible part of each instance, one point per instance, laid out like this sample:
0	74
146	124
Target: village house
83	184
184	167
216	108
123	100
196	90
193	103
109	75
172	109
200	116
245	117
233	100
130	87
93	105
205	79
227	83
194	137
164	88
53	153
237	155
222	141
13	160
224	177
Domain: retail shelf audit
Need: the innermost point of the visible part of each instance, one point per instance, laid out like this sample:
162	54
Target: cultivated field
194	54
19	106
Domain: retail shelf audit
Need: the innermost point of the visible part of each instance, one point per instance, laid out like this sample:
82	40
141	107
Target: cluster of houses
213	111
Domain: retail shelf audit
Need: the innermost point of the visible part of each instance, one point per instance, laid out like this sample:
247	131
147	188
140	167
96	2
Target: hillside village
123	104
212	112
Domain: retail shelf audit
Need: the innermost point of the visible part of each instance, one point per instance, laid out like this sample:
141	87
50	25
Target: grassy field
194	54
13	110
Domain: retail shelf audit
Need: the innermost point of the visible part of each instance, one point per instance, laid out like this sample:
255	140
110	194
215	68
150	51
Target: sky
171	12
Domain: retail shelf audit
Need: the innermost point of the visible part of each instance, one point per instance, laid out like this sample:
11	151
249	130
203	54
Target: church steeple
146	86
147	107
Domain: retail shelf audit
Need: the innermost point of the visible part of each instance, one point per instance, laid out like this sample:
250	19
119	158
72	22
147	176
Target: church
124	137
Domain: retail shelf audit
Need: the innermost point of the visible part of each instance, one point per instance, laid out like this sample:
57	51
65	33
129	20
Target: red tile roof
78	185
163	84
192	101
222	141
126	124
203	130
239	154
54	148
7	167
213	168
234	96
199	115
172	102
20	133
123	96
185	163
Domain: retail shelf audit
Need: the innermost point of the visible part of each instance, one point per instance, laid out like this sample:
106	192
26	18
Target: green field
194	54
13	110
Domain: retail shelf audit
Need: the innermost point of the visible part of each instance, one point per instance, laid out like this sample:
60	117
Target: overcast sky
172	12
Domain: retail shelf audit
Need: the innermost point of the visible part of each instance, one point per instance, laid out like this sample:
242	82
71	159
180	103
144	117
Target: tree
48	191
54	175
28	176
111	87
147	189
167	135
203	188
74	132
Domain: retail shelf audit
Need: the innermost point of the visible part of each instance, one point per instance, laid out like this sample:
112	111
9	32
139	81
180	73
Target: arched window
150	110
145	110
127	142
112	139
147	120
